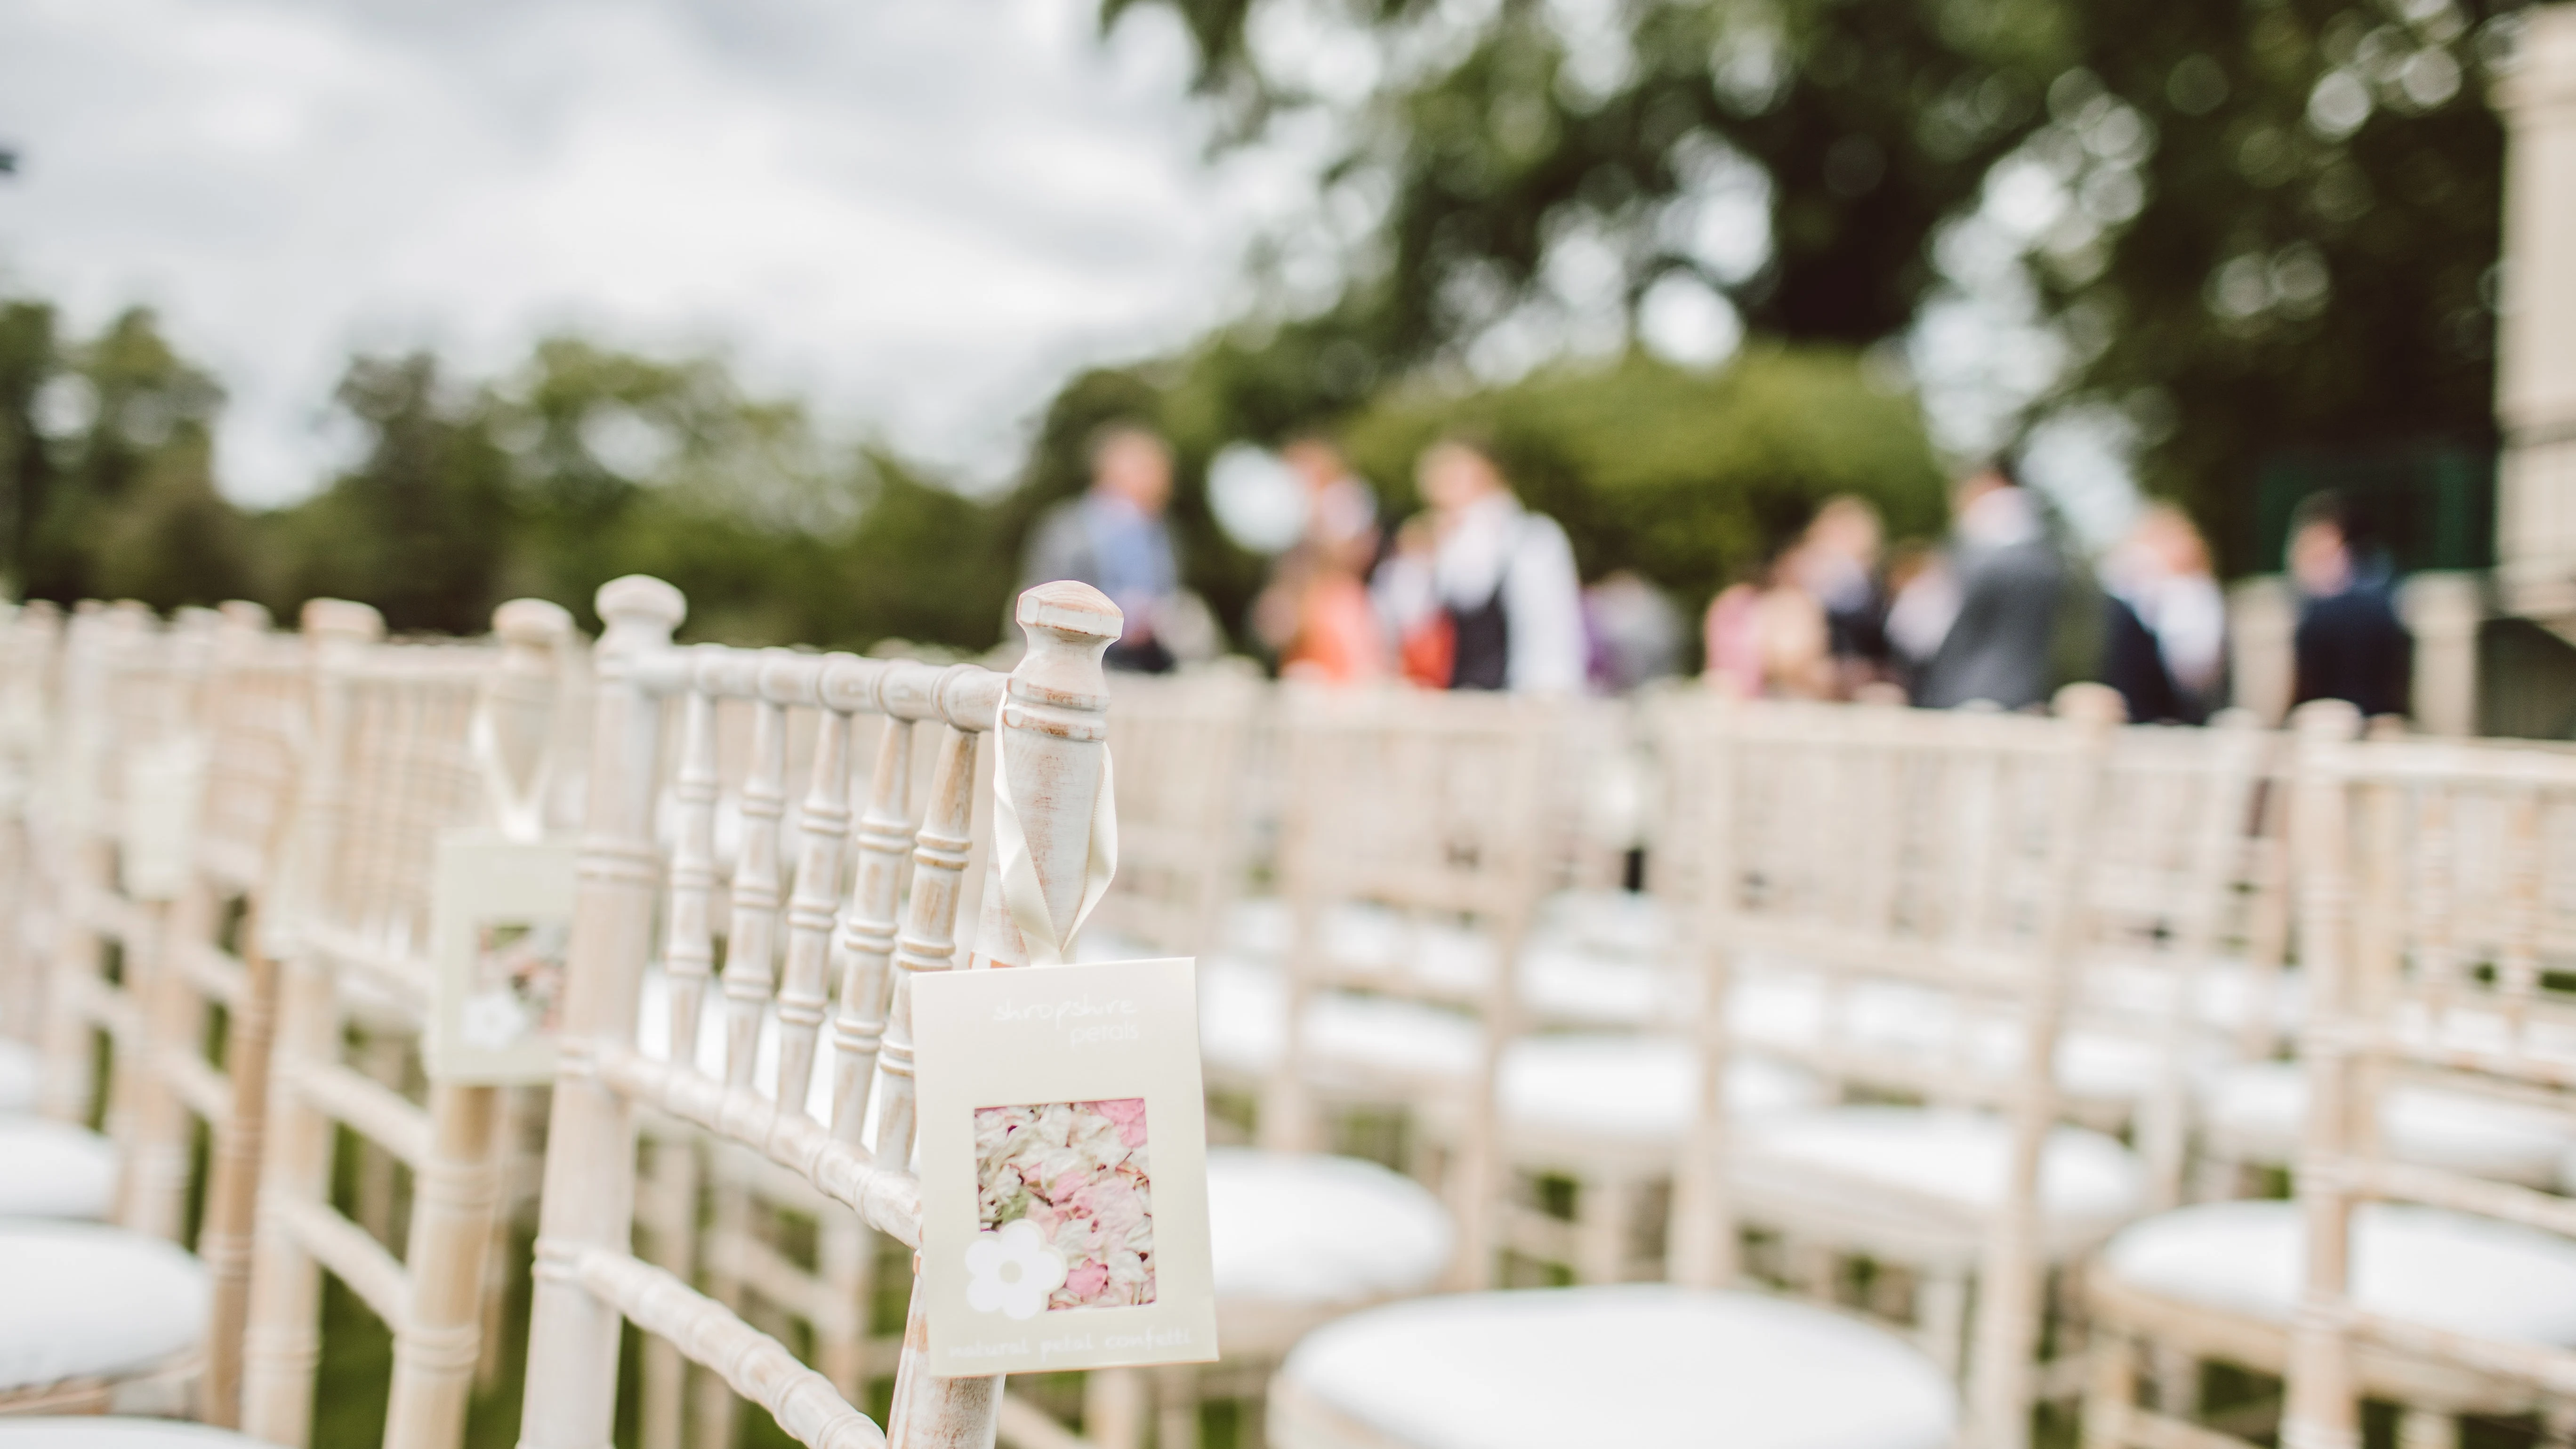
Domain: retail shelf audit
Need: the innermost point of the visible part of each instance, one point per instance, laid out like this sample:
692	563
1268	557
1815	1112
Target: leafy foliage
2276	219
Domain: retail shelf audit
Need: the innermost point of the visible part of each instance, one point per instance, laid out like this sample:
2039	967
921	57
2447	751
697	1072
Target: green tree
418	527
127	408
2313	262
29	360
2281	236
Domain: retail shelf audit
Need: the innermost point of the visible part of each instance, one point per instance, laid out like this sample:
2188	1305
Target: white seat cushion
1627	923
1305	1228
2259	1109
2442	1269
1563	976
52	1169
1639	1367
1633	1089
1243	1011
86	1302
20	1074
104	1433
2089	1183
1784	1010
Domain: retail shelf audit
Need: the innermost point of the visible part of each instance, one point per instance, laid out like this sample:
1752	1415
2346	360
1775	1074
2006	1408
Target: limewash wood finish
1939	855
2433	903
395	762
1052	708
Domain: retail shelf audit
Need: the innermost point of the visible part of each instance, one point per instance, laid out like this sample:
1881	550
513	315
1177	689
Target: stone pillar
2442	610
2536	338
2262	617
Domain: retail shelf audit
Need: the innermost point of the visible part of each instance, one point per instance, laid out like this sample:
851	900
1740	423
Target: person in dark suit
2350	644
2008	580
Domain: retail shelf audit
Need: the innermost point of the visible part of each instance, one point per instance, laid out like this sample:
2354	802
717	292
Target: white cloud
919	215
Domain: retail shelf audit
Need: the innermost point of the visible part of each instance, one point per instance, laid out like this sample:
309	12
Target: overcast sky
919	215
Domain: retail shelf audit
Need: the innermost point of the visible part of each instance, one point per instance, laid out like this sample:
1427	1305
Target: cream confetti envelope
501	926
1063	1153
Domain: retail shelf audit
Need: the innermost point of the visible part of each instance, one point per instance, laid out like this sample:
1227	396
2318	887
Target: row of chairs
2007	1018
1922	1019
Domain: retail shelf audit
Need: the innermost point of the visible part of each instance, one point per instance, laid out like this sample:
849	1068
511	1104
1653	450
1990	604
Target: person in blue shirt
1113	538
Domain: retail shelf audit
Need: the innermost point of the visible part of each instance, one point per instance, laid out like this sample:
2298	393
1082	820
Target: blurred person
1114	539
1771	640
1922	599
1635	632
1316	611
1996	645
2350	644
2165	643
1483	580
1836	562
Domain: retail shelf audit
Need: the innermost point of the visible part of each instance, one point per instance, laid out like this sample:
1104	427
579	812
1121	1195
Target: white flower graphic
491	1020
1012	1271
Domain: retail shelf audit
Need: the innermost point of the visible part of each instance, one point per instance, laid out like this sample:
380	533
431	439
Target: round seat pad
19	1076
2425	1265
87	1302
105	1433
1643	1366
2261	1108
1959	1158
1306	1228
54	1170
1634	1089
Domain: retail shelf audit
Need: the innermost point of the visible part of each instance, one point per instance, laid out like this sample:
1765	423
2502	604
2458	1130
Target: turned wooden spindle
590	1188
1053	736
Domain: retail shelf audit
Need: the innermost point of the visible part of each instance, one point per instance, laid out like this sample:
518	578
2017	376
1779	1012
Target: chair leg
1941	1314
845	1258
382	1058
1605	1211
282	1343
2110	1389
1176	1423
719	1412
451	1230
1809	1267
2175	1382
1114	1402
2427	1429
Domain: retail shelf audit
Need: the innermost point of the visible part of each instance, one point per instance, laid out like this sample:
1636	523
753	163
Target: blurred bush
587	463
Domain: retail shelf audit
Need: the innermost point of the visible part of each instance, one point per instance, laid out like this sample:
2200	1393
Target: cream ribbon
1021	894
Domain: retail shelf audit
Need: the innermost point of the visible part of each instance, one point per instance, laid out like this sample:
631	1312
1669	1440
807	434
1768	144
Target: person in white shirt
1497	579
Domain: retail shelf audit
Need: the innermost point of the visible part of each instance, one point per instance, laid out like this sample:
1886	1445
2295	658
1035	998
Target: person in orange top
1317	611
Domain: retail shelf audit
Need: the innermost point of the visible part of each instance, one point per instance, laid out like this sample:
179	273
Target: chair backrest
30	652
799	949
1917	871
2161	888
1183	828
1412	859
127	687
2437	905
409	740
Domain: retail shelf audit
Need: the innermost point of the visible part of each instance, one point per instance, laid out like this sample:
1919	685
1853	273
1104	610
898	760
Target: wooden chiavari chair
1690	1361
766	1244
1414	819
252	727
778	982
1183	832
2437	922
96	1316
30	642
395	761
1922	872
